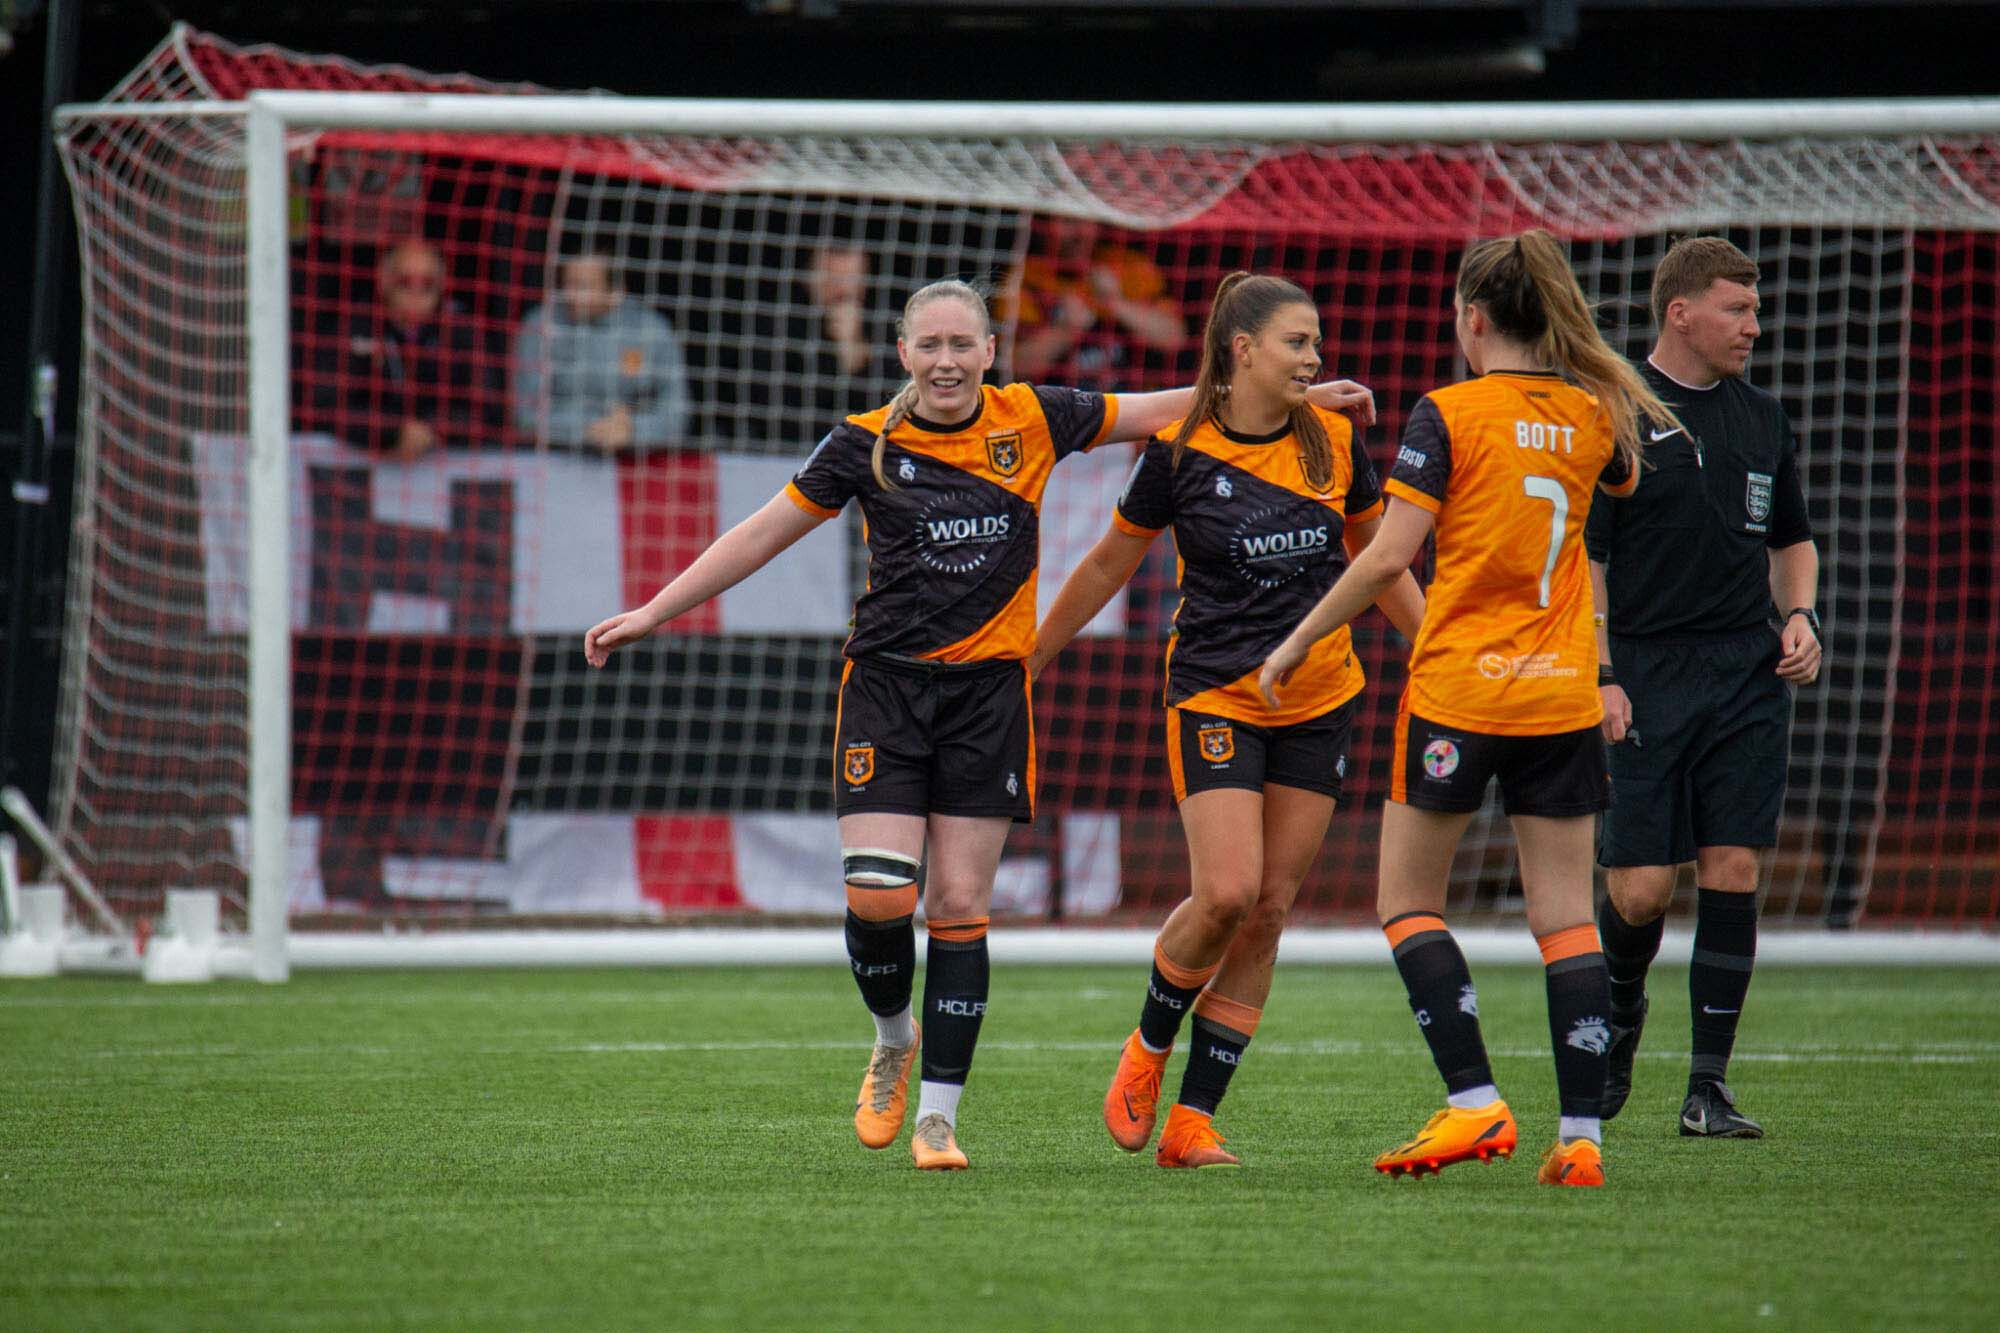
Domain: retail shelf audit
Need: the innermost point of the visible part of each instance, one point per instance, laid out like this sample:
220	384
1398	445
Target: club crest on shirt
1757	496
1218	742
858	764
1003	452
632	360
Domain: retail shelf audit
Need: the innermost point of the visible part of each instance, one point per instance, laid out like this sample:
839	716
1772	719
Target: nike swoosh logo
1698	1124
1659	435
1711	1009
1130	1114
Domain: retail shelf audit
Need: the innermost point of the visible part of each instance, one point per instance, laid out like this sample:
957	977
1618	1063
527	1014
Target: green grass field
674	1149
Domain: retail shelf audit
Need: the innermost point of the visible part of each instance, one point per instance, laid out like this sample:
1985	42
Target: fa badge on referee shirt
1757	496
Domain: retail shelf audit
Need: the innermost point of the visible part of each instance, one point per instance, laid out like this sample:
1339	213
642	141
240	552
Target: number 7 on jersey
1548	488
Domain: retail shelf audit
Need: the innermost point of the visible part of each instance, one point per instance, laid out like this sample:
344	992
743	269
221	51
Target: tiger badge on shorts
858	764
1218	742
1003	452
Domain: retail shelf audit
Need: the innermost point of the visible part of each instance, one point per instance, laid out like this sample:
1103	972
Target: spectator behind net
409	374
594	369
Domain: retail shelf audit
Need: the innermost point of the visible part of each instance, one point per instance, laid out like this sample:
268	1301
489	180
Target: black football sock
1629	951
1725	950
1442	998
883	955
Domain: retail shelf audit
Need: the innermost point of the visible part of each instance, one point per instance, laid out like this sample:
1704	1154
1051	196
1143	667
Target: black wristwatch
1812	617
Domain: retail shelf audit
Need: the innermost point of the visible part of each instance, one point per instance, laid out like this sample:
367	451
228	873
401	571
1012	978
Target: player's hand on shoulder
1355	399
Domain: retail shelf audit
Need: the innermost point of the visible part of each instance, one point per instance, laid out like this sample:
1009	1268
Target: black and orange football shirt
1507	463
953	546
1259	545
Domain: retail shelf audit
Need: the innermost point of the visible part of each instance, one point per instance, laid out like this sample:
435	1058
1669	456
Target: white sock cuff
1474	1098
939	1099
1576	1127
895	1029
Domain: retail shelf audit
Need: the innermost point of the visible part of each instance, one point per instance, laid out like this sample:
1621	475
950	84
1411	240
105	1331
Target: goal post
686	783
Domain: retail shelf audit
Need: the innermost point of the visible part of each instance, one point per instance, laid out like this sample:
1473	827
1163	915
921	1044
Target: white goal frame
273	119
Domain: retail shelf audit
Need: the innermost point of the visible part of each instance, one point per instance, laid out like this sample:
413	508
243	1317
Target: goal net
537	361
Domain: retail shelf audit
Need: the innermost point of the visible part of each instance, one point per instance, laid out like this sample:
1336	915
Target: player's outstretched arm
1403	600
1141	415
731	558
1388	556
1107	567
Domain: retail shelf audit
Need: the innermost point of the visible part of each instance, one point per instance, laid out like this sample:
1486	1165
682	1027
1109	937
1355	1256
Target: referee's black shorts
934	738
1708	769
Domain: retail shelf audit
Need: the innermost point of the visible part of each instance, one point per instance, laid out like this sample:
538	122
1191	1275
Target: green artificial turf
674	1149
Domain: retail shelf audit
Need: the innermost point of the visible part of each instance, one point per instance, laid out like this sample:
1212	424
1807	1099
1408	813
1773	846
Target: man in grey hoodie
596	370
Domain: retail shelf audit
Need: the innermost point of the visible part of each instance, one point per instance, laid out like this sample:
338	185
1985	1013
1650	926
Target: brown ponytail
905	401
1245	303
1527	289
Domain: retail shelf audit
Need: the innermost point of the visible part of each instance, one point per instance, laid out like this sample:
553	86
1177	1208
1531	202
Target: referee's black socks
1725	949
1629	951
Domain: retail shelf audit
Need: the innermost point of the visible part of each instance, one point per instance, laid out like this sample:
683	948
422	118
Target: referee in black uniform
1706	576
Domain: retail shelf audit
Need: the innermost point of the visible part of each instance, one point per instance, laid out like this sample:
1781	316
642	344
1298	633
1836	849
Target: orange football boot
885	1093
1577	1163
1454	1135
1132	1105
934	1146
1189	1140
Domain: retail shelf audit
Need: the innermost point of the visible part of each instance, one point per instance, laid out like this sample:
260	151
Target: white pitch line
1924	1053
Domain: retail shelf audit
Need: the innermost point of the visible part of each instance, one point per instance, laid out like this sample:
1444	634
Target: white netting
452	754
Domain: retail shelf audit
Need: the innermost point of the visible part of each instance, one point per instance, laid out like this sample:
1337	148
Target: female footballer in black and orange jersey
934	755
1264	492
1503	677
